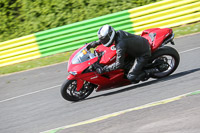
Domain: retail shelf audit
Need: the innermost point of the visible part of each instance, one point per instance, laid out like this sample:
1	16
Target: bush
24	17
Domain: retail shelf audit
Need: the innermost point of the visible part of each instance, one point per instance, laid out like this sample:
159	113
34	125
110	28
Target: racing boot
137	78
143	76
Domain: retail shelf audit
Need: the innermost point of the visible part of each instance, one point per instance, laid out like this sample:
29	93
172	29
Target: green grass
62	57
186	29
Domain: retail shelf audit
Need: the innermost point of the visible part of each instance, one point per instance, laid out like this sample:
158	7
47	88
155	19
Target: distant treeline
24	17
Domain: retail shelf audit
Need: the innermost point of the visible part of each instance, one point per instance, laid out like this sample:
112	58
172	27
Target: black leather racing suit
136	47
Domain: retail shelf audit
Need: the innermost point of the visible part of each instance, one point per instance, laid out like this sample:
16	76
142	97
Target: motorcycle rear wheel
170	56
69	92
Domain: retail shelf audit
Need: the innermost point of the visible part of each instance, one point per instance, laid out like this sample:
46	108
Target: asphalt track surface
30	101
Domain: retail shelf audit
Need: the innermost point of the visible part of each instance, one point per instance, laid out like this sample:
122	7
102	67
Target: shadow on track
174	76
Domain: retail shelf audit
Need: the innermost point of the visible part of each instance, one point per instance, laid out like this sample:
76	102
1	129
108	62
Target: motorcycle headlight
73	73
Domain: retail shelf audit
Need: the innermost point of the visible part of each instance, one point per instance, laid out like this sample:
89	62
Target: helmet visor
104	39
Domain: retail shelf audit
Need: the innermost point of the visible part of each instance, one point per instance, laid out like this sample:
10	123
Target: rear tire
69	92
170	55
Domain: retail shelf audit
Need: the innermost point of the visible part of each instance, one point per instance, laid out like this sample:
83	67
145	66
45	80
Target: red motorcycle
83	78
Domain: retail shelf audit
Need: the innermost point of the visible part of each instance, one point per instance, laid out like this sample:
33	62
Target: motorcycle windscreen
82	56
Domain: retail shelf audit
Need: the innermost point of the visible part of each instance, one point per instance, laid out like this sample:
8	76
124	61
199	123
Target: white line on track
12	98
189	50
30	93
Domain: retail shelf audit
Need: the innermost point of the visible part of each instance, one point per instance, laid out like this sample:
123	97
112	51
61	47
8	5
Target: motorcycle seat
152	36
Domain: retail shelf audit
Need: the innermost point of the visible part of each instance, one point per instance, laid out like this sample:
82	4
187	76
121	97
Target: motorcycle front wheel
69	92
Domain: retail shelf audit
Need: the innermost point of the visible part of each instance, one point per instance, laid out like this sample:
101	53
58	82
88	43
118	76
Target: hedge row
24	17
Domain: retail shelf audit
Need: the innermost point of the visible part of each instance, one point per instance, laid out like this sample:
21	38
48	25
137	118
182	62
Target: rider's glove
93	45
100	70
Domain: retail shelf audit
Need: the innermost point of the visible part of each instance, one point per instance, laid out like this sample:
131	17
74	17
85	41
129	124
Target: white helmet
106	35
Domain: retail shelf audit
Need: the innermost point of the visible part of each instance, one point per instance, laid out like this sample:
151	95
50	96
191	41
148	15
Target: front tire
170	56
69	92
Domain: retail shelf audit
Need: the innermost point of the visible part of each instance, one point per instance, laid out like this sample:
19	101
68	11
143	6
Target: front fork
79	84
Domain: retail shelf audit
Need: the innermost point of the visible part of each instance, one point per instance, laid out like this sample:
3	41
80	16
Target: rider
135	46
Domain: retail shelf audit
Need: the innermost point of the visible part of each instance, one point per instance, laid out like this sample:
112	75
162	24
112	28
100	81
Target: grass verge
62	57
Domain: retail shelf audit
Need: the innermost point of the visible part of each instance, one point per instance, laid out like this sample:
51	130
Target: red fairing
158	36
80	68
109	54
